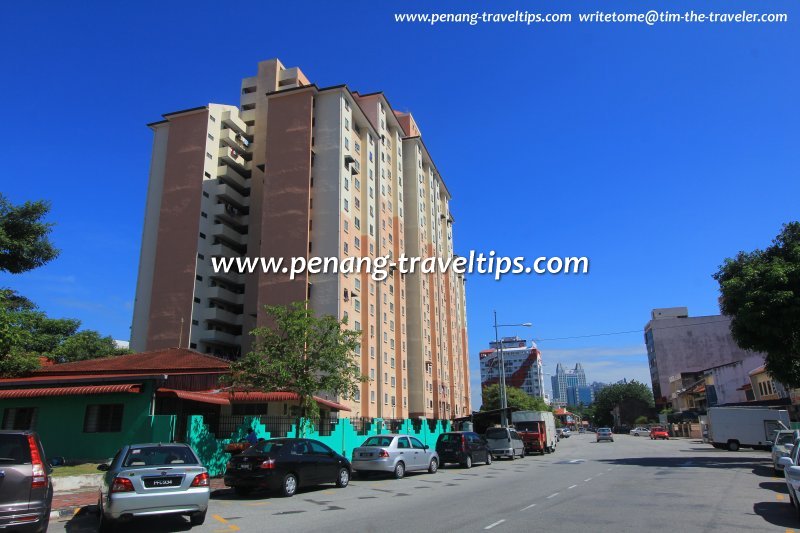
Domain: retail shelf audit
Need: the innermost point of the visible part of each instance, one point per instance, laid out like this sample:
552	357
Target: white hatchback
640	432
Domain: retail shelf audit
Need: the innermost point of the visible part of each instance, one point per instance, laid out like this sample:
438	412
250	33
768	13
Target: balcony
220	250
234	122
215	314
212	336
236	141
231	196
232	278
224	232
230	214
355	167
233	158
233	178
224	295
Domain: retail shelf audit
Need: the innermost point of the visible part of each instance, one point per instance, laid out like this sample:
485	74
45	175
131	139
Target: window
357	184
103	418
357	242
357	222
346	226
347	125
357	326
346	205
372	396
19	417
357	305
347	143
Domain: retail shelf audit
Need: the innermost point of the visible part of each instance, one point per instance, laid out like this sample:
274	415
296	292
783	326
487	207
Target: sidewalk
67	503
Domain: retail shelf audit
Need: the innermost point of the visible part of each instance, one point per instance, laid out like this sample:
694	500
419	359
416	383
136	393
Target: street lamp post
503	395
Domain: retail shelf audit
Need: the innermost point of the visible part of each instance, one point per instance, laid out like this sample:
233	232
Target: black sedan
284	465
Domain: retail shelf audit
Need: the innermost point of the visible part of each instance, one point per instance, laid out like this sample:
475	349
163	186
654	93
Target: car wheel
468	462
434	466
513	454
343	478
242	491
289	486
399	470
733	446
197	519
488	458
522	454
635	434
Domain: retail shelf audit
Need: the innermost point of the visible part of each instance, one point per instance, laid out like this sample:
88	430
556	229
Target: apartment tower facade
302	171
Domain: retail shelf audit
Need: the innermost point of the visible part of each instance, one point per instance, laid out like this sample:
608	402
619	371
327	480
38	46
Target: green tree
301	353
86	344
24	237
760	291
632	398
516	398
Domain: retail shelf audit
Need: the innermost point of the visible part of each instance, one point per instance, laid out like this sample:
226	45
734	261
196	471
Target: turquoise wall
343	438
59	422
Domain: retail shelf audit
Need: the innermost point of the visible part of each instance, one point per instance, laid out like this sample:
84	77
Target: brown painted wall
178	228
286	195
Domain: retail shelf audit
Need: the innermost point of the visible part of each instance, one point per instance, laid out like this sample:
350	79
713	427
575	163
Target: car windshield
604	430
265	447
497	433
450	437
14	449
159	456
378	441
785	438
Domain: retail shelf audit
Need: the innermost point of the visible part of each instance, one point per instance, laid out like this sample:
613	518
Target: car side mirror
425	447
103	467
785	462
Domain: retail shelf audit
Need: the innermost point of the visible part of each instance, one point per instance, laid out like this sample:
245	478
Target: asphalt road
632	484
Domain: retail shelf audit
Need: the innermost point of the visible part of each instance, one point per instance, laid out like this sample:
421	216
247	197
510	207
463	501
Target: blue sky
655	151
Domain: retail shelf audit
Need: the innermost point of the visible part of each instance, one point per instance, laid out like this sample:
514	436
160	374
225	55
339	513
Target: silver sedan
397	454
153	479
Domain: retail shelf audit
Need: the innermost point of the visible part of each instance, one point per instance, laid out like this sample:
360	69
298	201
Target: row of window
97	418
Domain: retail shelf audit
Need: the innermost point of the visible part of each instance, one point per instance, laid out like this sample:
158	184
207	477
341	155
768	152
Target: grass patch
77	470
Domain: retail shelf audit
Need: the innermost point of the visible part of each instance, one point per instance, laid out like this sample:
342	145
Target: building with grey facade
678	344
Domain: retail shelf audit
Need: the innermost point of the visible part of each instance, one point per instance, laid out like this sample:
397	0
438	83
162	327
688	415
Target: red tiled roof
226	397
69	391
171	360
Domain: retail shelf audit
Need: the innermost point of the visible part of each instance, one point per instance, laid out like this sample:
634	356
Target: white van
744	427
505	442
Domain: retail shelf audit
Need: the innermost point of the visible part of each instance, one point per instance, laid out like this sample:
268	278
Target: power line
626	332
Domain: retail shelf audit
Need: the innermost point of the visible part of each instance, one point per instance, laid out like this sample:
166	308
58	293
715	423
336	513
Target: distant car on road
658	433
397	454
284	465
153	479
505	442
26	490
604	434
640	432
464	448
566	433
559	433
783	442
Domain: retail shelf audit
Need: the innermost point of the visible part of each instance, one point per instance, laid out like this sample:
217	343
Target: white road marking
601	473
528	507
571	487
587	480
490	526
553	495
609	469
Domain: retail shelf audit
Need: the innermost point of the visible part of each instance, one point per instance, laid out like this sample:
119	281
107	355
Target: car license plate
160	482
365	454
245	466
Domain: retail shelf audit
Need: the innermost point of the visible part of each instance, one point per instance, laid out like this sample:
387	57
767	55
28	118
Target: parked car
464	448
26	490
640	432
566	433
791	471
604	434
153	479
658	432
782	444
505	442
397	454
284	465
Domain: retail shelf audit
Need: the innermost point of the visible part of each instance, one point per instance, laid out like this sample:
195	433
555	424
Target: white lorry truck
744	427
537	429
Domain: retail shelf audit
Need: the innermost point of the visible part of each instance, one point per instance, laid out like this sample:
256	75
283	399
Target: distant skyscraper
566	380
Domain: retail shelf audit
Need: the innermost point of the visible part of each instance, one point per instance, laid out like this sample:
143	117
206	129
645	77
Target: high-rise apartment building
523	365
299	171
